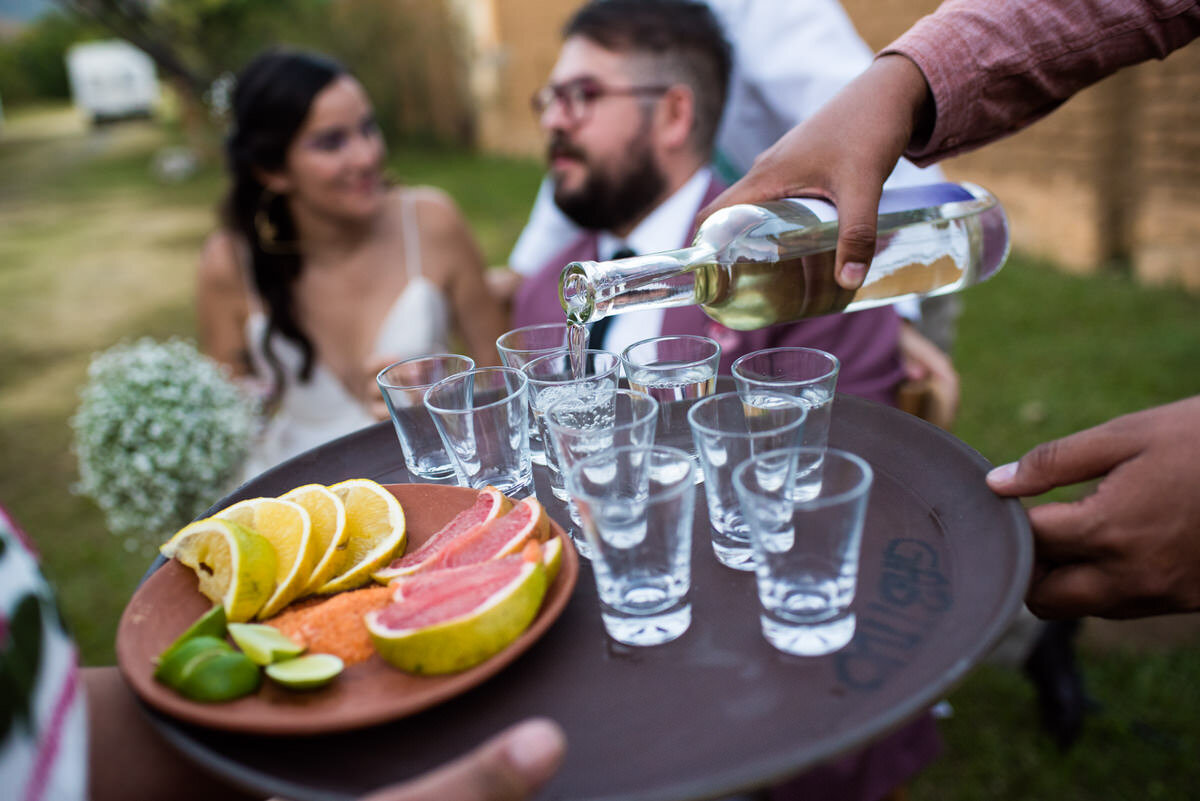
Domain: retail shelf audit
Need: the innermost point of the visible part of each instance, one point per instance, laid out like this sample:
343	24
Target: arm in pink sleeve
995	66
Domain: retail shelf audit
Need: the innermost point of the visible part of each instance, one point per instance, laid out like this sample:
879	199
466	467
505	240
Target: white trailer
111	80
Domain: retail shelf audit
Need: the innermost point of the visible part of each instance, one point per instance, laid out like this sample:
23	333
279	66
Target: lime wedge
220	677
305	672
264	644
178	661
210	624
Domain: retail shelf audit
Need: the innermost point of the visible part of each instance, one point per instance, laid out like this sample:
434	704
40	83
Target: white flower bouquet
160	433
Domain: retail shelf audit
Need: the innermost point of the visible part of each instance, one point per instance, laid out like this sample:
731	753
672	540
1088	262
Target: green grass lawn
94	250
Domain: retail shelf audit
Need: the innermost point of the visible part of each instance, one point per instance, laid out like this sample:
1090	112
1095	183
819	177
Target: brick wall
1109	180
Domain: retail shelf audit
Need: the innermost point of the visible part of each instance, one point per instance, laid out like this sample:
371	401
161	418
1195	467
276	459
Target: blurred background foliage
408	54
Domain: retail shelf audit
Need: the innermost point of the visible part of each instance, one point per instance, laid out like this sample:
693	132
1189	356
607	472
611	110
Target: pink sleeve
995	66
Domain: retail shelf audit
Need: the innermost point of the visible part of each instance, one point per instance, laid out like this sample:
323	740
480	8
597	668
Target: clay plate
365	694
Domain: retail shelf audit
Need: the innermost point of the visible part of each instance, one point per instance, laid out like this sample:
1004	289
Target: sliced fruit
288	528
465	623
489	505
306	672
235	565
330	537
552	555
178	662
210	624
375	523
264	644
221	677
502	536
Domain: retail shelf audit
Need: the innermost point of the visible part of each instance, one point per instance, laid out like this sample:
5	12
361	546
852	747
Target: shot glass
806	552
482	416
728	431
551	379
808	374
593	422
636	505
521	346
403	385
675	371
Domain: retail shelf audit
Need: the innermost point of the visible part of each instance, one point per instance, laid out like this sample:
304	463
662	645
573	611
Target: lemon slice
377	534
328	515
289	529
235	565
264	644
306	672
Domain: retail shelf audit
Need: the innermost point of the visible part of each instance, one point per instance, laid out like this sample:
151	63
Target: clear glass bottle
754	265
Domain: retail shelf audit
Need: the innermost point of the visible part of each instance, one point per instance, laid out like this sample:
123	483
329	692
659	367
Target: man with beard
630	114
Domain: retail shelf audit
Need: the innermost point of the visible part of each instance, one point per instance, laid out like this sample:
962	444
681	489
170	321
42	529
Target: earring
268	231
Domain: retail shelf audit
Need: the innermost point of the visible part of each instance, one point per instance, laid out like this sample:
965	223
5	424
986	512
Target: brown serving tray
944	567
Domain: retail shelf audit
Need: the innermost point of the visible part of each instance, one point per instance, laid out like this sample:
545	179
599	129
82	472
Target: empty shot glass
592	422
551	379
521	346
675	371
806	551
806	373
728	431
482	416
636	505
403	385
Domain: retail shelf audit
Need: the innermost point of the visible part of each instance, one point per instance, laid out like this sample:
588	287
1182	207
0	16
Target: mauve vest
866	342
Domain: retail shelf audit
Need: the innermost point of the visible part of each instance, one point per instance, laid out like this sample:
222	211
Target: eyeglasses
578	95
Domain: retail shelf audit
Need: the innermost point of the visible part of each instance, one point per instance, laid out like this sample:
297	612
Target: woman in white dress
322	273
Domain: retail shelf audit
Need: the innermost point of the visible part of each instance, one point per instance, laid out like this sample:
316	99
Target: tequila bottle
754	265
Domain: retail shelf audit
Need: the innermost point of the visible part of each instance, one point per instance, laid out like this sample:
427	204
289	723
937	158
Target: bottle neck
591	290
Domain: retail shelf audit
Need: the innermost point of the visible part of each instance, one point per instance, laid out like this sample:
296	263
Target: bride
321	273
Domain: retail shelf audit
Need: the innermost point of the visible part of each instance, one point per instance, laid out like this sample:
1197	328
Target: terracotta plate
365	694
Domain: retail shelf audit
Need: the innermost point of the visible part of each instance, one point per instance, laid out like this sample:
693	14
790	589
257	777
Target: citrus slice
178	662
210	624
220	677
264	644
489	505
306	672
500	537
375	523
328	515
235	565
552	555
448	622
289	530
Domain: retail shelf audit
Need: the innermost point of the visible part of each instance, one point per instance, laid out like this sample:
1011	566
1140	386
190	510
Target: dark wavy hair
271	99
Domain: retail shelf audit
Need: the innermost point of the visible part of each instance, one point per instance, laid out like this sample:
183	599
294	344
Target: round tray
944	567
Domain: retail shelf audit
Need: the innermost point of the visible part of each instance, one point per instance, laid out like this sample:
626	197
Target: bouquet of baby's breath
160	434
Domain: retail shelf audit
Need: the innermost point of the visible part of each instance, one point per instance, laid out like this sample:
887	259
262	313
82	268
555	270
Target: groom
630	115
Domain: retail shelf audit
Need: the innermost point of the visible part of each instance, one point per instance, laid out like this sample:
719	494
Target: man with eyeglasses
630	113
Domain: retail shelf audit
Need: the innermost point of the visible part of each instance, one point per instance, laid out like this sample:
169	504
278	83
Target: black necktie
600	327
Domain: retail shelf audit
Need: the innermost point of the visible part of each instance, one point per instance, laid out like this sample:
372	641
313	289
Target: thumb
1079	457
509	767
858	213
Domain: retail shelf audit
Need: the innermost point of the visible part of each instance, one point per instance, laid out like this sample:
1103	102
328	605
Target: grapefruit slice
451	620
505	535
489	505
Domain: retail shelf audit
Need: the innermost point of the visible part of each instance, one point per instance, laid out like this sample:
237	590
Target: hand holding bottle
843	154
1131	548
